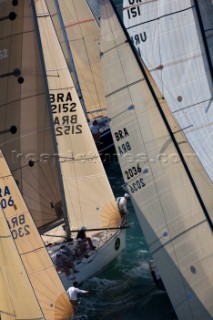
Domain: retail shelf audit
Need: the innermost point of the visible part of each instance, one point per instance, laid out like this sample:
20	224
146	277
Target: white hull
97	259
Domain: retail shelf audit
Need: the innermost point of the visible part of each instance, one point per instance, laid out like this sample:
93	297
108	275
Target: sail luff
64	206
210	222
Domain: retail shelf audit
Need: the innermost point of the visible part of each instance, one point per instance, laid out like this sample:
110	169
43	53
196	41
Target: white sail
168	38
89	198
83	35
30	286
176	225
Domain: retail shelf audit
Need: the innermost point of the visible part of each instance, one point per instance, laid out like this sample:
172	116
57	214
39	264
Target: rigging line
200	200
158	18
197	9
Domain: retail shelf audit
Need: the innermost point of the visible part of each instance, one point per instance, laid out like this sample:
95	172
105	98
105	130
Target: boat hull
96	261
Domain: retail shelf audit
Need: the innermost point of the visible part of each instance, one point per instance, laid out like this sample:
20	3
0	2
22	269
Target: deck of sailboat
107	243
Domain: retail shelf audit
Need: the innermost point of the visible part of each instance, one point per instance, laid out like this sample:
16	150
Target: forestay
168	37
88	195
172	219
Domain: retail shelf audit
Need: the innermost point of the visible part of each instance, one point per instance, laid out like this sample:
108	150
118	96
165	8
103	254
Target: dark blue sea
125	289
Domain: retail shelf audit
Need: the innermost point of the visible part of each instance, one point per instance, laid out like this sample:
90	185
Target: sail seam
177	236
158	18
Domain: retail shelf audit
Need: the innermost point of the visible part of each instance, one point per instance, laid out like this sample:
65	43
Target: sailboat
30	285
171	195
175	44
79	33
47	143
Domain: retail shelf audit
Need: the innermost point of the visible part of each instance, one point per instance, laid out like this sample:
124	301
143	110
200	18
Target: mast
204	38
165	120
72	65
64	206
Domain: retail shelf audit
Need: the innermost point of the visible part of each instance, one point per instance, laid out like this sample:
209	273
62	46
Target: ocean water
125	289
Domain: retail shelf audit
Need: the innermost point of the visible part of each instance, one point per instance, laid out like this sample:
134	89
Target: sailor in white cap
122	203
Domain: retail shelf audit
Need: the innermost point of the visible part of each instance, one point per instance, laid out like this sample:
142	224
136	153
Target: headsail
83	35
177	226
89	198
30	286
168	37
25	134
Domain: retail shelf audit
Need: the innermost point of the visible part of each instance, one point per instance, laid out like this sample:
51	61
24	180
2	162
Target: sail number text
119	136
137	185
65	116
5	198
18	227
17	224
133	171
133	12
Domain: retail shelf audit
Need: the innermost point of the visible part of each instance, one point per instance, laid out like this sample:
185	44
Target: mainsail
25	134
82	39
174	212
88	195
170	41
30	286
